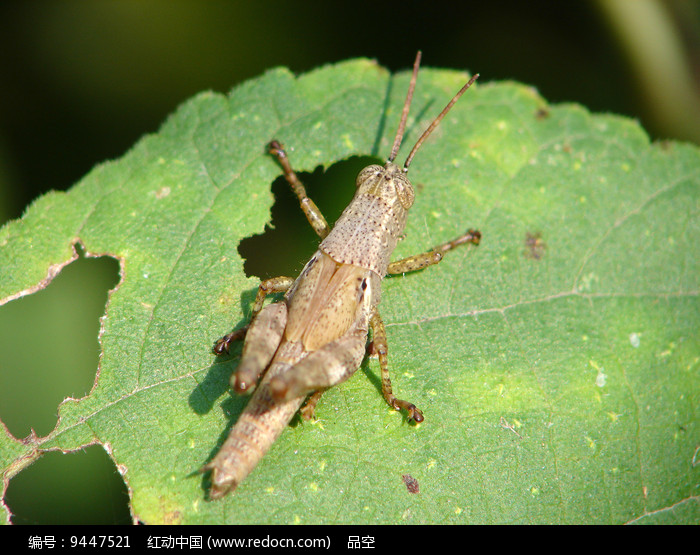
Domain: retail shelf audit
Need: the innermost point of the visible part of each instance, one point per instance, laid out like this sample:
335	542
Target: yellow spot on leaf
348	142
587	281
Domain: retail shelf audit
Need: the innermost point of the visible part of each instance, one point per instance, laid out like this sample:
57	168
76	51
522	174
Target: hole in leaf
75	488
49	346
289	241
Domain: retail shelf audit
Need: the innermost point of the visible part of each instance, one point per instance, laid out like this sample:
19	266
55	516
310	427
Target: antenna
437	121
406	106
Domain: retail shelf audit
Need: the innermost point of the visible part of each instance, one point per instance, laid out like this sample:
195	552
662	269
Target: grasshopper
316	336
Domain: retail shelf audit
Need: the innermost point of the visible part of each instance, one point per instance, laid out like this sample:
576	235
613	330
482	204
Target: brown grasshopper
316	336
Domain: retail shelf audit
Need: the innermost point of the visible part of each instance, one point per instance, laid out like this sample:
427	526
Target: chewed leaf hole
288	242
49	345
74	488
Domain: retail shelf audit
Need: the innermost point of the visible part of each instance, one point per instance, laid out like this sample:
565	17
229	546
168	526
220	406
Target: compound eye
370	172
404	192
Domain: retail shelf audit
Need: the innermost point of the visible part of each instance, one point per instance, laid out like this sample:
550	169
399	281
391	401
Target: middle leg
273	285
380	347
433	256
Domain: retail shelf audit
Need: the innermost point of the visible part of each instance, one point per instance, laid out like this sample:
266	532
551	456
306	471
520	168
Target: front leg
311	211
380	347
433	256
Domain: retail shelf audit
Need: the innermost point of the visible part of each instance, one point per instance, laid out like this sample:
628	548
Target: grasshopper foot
222	346
472	236
413	411
308	410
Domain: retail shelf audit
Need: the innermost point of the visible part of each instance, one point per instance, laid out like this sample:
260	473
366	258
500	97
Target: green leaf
556	364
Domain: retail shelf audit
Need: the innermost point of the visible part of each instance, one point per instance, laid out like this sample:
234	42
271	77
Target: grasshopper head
388	183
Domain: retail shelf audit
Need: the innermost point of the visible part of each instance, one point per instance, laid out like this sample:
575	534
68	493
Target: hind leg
330	365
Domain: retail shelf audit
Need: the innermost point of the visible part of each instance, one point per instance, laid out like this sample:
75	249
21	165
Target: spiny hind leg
379	346
329	366
274	285
311	211
433	256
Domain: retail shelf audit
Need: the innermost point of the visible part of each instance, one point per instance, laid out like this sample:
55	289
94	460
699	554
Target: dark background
80	82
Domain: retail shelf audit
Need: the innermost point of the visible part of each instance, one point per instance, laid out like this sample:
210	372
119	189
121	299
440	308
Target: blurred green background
82	81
